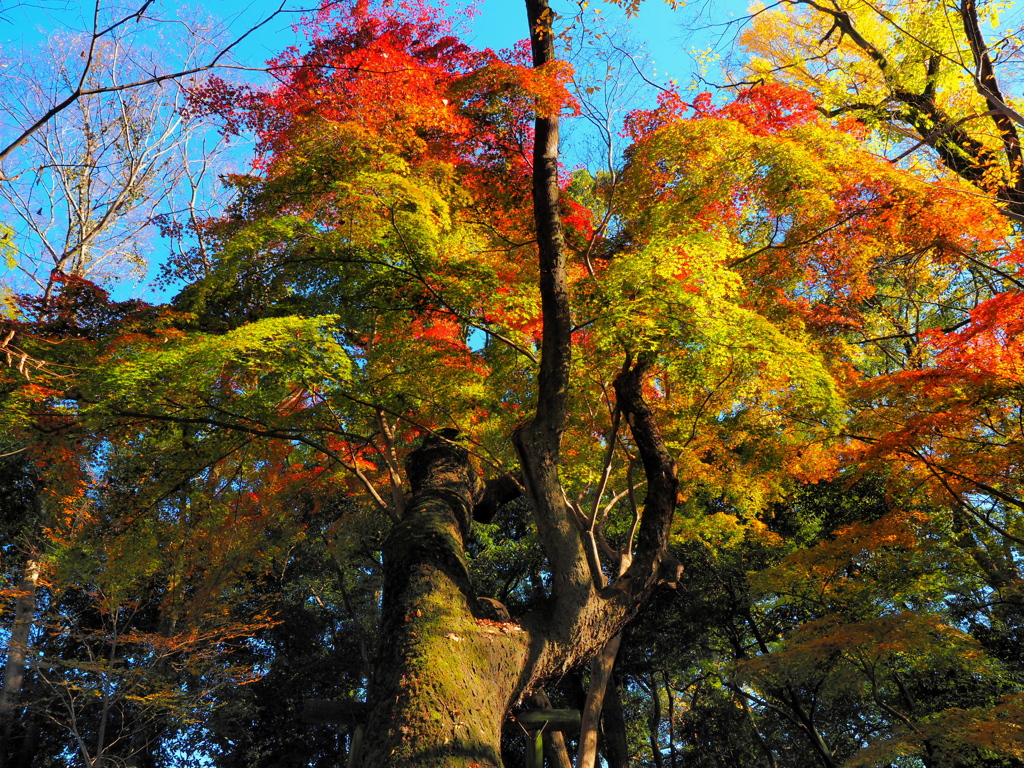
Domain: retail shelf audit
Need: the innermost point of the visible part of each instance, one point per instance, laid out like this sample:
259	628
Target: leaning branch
652	564
988	86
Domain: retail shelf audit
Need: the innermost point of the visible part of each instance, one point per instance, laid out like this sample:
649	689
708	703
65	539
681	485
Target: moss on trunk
444	682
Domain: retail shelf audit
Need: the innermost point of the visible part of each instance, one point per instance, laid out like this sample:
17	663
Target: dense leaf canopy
813	326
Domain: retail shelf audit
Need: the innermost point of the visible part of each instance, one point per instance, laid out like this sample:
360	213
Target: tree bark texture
443	684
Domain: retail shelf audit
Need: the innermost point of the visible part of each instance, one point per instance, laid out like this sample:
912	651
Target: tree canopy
720	445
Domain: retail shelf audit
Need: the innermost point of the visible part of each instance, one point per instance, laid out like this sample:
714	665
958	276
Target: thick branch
497	492
652	563
988	86
600	674
959	151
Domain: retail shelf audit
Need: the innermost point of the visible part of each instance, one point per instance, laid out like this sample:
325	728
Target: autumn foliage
832	350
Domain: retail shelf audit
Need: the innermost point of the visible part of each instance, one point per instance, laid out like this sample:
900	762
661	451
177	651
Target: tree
949	437
108	25
386	325
140	605
926	72
82	194
92	179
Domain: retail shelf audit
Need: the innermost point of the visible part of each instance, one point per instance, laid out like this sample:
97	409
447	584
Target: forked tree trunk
443	684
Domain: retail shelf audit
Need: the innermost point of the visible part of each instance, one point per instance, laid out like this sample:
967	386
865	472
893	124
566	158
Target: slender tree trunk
29	745
671	720
654	722
600	673
761	742
615	747
145	737
807	723
17	654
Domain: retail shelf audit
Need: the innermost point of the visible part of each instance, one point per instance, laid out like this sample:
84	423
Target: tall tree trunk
441	688
654	722
600	674
146	735
671	720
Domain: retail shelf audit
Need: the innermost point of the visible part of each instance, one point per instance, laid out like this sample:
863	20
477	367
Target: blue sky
667	35
663	30
498	24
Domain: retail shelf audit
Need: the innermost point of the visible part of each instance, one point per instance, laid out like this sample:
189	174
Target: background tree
930	73
105	26
92	179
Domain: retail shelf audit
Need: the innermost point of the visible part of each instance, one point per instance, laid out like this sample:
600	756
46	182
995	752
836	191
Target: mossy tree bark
443	683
